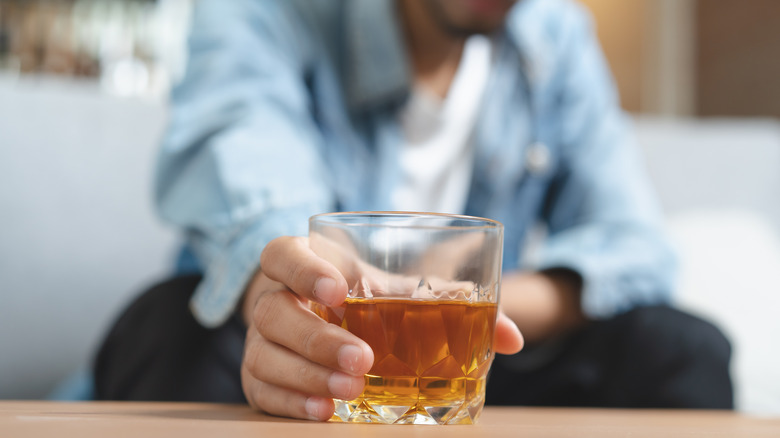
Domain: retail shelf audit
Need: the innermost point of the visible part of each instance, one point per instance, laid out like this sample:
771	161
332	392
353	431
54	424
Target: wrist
543	304
567	285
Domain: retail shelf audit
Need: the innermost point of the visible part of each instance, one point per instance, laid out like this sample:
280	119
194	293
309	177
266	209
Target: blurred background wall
129	47
693	58
83	86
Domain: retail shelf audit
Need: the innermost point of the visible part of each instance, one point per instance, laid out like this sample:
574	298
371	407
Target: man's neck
434	54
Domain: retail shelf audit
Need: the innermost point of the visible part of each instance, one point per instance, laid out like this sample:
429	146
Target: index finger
290	261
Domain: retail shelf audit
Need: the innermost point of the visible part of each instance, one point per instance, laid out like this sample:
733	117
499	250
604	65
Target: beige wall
693	57
621	28
649	45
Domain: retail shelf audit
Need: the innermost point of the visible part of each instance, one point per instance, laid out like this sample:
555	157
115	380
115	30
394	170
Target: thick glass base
364	410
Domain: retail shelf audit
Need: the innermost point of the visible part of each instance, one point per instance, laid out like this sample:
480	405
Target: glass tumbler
423	293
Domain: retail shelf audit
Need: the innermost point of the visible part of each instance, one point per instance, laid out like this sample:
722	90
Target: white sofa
719	182
78	237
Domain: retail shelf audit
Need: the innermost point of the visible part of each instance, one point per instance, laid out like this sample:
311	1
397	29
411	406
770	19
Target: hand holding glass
423	293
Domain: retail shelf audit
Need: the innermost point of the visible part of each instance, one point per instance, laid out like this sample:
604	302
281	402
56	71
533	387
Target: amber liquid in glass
430	356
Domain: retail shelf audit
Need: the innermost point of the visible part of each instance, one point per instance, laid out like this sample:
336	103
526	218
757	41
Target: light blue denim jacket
289	109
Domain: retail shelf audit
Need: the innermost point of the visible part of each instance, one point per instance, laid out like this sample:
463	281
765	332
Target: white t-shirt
437	155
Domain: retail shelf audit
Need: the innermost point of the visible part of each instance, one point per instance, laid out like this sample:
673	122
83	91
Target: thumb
508	339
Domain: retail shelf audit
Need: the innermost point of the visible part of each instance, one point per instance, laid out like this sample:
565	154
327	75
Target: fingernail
340	385
325	290
313	408
349	357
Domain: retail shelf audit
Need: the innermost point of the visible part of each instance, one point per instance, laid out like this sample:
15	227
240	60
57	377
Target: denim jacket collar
532	45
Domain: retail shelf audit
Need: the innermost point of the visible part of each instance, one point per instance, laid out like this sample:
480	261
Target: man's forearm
543	304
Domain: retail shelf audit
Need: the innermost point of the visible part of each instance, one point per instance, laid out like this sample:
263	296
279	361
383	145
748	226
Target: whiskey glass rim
356	219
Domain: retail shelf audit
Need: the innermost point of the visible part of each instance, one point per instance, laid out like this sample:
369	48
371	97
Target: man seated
490	108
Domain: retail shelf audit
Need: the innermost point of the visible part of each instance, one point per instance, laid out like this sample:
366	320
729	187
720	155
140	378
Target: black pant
650	357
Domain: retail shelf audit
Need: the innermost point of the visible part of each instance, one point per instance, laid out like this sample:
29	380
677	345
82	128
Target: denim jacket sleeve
240	163
601	214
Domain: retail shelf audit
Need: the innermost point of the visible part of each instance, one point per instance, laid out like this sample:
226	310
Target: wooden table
102	419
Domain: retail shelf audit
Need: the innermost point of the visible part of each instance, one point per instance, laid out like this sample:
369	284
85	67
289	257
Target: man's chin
467	31
464	18
488	11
